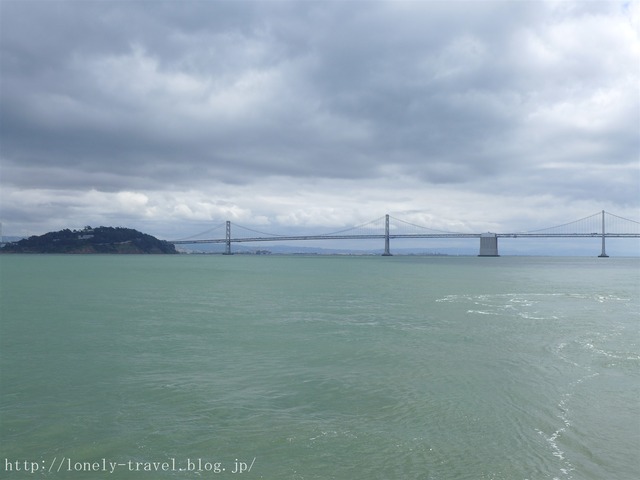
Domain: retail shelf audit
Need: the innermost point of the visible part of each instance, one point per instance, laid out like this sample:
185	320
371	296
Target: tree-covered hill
91	240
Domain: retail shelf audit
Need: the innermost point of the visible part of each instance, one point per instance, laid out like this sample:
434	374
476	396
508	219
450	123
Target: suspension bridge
601	225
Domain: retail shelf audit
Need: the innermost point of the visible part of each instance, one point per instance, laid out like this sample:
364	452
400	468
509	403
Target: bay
316	367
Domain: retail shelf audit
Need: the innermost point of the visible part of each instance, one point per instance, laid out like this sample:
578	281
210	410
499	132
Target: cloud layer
172	116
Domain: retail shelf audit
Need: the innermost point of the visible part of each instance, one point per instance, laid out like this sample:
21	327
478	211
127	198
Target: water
319	367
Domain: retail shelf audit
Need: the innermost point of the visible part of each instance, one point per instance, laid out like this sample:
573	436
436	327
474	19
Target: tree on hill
91	240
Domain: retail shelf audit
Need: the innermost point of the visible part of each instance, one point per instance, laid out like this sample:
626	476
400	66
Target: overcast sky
172	117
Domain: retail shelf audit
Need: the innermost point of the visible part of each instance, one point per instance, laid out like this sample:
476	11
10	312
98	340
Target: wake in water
584	350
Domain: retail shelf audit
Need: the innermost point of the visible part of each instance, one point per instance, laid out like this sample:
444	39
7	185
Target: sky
173	117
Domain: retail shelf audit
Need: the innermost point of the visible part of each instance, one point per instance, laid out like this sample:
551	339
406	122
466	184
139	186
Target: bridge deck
395	236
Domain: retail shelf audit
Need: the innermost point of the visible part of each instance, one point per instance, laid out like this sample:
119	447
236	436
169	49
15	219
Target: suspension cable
354	228
256	231
424	228
564	224
201	233
323	234
622	218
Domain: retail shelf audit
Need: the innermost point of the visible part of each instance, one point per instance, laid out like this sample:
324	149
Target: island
92	240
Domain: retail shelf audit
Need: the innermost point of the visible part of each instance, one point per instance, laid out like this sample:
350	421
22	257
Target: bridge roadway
410	235
327	237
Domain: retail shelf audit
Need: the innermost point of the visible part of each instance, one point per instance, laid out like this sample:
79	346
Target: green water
145	367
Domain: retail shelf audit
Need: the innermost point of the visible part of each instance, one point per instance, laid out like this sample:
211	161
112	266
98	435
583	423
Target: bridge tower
603	254
386	253
488	245
227	248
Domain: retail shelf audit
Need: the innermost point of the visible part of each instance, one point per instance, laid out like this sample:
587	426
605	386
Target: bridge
599	225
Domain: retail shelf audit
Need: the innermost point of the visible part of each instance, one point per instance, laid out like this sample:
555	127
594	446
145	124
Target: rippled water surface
319	367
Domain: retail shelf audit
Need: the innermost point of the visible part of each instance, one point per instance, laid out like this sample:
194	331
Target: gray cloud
502	100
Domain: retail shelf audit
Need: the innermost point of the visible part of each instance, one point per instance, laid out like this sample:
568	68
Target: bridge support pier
227	247
386	253
488	245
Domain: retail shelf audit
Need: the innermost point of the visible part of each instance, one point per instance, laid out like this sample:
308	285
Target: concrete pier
488	245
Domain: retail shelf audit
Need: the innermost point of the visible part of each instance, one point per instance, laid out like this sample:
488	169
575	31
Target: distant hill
91	240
